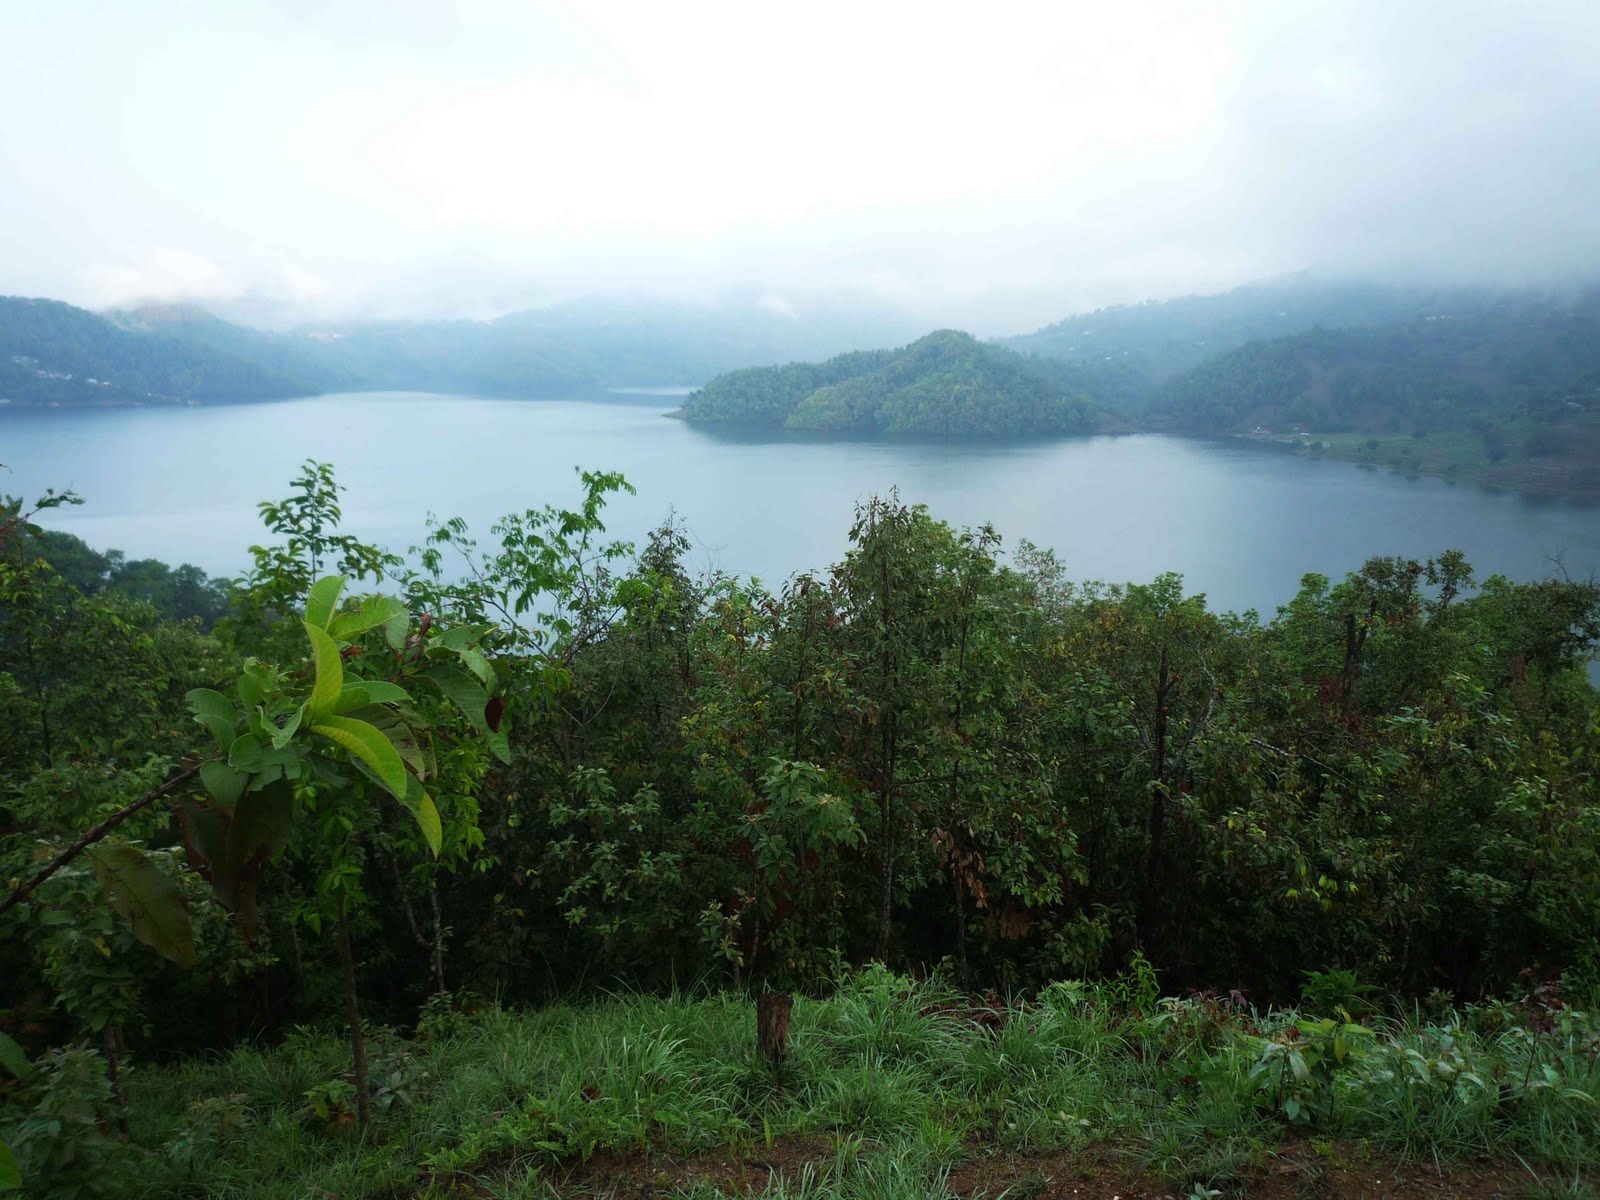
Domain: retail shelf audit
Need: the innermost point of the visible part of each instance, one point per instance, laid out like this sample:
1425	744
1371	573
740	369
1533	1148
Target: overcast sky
994	164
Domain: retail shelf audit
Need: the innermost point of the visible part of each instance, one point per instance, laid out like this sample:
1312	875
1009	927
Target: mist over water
1242	523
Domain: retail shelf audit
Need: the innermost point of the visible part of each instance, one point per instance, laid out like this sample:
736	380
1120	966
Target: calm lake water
1242	523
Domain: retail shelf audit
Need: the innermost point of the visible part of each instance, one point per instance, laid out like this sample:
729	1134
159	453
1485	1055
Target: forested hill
52	354
1536	361
945	384
1122	353
1510	395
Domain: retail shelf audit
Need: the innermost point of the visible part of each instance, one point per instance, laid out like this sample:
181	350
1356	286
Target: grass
1534	459
1456	455
890	1091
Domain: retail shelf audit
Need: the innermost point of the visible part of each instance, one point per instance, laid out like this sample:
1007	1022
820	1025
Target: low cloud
993	170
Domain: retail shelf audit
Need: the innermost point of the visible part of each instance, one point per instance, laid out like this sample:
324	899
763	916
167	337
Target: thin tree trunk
772	1025
432	947
888	699
1150	906
438	935
968	596
358	1041
111	1044
43	701
886	854
961	931
800	675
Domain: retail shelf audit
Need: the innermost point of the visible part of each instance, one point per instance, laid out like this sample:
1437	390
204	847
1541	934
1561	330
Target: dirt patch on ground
1336	1173
1326	1172
729	1172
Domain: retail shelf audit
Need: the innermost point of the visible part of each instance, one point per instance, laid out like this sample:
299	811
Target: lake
1240	521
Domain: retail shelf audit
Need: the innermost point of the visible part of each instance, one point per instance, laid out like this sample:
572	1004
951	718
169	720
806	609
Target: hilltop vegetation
1501	388
179	593
947	384
54	354
1514	393
576	766
1532	360
1132	348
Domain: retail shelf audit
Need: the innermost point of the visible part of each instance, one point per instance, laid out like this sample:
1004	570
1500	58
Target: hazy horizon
415	160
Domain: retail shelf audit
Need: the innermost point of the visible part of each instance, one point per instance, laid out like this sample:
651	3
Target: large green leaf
462	690
261	824
369	614
10	1172
324	598
245	755
205	838
381	691
147	897
225	783
427	815
216	712
396	630
251	685
330	674
369	745
231	848
479	666
13	1058
410	743
282	736
361	693
428	821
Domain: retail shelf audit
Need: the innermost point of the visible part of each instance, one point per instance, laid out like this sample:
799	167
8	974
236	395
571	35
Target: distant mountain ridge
1507	396
56	355
1123	353
52	354
1525	360
583	344
1333	357
947	384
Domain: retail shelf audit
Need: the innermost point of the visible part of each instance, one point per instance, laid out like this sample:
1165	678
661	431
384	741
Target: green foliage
176	592
558	763
54	354
1156	340
214	1123
60	1130
1486	392
1336	992
891	1078
947	384
146	897
1297	1071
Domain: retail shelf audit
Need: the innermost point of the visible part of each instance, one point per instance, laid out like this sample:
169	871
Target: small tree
785	837
304	753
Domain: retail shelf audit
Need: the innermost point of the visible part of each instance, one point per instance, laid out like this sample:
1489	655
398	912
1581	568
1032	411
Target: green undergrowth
897	1082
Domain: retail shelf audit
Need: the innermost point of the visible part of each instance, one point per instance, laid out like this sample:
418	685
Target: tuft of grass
906	1085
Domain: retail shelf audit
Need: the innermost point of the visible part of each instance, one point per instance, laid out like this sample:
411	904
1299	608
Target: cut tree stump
772	1025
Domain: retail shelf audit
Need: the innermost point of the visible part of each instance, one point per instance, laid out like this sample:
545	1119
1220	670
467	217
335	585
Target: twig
96	833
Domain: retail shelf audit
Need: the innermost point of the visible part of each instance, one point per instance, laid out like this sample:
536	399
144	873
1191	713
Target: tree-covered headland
947	384
318	893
